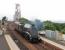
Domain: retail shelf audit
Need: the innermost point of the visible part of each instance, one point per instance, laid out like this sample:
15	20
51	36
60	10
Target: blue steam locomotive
29	32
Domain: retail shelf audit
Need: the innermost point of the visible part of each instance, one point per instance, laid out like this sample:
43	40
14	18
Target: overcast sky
53	10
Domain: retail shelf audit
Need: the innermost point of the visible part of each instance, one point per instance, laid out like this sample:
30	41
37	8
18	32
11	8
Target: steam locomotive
29	32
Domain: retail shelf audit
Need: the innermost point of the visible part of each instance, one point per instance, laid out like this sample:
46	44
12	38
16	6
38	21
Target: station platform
11	43
53	43
3	43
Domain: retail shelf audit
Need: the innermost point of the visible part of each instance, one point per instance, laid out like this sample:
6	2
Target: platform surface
11	43
53	43
3	43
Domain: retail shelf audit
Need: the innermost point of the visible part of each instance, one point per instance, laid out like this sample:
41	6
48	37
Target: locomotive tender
29	32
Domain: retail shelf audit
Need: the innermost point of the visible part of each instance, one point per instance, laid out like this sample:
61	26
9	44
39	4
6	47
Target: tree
54	26
58	27
63	31
4	19
49	25
24	20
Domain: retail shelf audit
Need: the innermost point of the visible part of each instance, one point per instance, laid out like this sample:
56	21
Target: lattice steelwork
17	15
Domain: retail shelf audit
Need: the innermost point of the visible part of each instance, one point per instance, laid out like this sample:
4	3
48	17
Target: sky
53	10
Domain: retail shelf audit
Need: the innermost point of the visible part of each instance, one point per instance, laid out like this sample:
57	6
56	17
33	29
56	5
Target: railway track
26	45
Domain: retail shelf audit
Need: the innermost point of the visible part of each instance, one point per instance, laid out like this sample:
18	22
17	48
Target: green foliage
63	31
54	26
49	25
4	18
24	20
